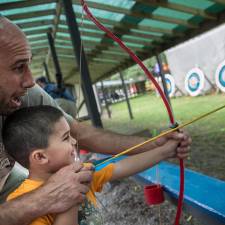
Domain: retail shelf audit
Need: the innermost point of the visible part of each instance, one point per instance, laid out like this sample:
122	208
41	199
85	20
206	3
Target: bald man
68	186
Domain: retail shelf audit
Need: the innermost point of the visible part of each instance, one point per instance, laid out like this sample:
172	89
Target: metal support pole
105	100
46	71
126	96
81	62
210	83
163	78
56	61
178	89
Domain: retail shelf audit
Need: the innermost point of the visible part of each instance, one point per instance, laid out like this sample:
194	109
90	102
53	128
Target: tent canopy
147	27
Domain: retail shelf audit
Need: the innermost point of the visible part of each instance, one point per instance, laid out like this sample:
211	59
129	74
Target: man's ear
39	157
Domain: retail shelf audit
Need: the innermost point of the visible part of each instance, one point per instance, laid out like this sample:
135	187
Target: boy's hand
184	146
183	149
182	136
88	166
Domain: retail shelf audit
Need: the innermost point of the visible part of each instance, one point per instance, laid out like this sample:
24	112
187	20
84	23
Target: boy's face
62	147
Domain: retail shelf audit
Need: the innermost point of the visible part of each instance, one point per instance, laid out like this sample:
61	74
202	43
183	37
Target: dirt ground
123	203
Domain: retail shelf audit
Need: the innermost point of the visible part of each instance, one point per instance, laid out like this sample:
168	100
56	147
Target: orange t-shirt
99	179
27	186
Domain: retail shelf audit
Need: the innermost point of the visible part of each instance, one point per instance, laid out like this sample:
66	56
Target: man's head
39	137
15	75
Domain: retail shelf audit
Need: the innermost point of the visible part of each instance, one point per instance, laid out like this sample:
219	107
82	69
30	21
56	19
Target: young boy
39	138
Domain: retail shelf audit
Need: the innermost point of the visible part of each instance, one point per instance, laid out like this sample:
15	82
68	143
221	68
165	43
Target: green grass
150	113
208	148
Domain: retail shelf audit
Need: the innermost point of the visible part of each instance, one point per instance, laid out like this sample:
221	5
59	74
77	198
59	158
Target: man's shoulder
35	89
37	96
33	96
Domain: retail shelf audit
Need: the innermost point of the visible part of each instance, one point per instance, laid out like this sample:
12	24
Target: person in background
53	91
63	97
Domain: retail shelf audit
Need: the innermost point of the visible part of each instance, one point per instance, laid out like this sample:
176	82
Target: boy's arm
70	217
139	162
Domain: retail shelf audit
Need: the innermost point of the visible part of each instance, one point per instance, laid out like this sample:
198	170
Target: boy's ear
39	157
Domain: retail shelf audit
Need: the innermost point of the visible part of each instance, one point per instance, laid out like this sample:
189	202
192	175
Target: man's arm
100	140
106	142
20	211
63	190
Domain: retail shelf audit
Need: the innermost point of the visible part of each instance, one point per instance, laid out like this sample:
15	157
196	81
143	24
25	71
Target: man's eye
20	68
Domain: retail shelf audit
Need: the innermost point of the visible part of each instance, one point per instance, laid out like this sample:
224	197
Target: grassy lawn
208	148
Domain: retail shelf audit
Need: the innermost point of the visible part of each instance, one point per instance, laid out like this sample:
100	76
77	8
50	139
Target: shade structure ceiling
148	27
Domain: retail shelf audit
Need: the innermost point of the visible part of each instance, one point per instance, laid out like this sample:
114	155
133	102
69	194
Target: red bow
165	101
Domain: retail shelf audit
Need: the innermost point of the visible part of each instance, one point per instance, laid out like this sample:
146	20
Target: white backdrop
206	51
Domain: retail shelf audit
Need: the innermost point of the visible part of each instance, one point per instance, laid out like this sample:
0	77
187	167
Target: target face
170	84
220	76
194	81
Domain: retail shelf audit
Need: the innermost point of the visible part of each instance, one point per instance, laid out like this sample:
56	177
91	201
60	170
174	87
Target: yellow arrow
162	134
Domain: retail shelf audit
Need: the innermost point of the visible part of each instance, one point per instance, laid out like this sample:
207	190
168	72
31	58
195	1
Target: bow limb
151	77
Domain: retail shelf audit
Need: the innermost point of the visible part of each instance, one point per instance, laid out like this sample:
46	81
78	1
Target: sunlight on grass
208	134
150	113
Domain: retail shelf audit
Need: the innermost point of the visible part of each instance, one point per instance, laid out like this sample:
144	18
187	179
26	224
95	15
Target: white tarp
206	51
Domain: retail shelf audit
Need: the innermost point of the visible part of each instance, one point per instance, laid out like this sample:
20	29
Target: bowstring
79	94
80	70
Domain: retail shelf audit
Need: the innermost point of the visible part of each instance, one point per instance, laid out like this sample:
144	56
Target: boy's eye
66	138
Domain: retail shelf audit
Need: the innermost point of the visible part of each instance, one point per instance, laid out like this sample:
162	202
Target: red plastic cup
83	152
154	194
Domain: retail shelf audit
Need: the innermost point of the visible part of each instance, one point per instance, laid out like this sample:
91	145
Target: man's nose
28	80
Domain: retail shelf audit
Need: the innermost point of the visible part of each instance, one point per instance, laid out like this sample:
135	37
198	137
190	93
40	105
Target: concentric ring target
194	81
220	76
170	84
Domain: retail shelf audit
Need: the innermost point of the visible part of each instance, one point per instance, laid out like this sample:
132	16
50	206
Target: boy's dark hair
28	129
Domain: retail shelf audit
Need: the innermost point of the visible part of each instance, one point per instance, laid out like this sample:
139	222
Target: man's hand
183	137
66	188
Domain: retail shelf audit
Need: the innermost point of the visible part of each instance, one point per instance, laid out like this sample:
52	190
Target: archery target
194	81
170	84
220	76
